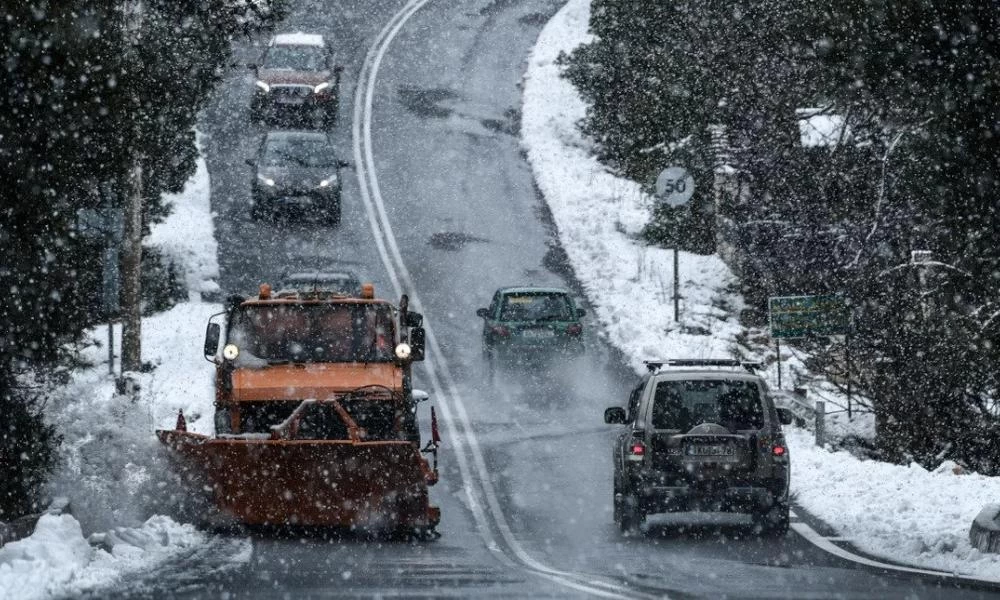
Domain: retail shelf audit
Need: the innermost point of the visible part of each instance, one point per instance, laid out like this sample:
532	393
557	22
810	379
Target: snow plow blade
330	483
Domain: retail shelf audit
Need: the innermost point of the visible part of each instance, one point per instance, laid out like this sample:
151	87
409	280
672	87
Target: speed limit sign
674	186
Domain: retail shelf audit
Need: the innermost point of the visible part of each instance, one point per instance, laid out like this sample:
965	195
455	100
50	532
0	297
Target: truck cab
277	349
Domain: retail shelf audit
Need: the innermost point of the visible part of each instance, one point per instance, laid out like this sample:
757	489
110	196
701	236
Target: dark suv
297	80
296	170
705	436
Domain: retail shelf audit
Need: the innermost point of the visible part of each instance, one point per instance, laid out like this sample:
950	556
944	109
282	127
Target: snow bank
599	214
57	560
187	235
900	513
112	466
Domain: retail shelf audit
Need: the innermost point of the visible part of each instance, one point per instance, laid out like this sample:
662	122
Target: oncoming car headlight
230	352
266	180
263	86
403	351
328	182
321	87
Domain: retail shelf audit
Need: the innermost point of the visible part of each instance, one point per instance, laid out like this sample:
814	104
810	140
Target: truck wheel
257	213
632	515
223	423
489	366
773	522
616	503
332	215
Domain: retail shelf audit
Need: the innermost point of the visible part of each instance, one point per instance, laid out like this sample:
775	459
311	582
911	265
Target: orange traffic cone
181	422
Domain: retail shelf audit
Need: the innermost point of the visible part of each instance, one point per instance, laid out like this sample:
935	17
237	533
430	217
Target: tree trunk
131	268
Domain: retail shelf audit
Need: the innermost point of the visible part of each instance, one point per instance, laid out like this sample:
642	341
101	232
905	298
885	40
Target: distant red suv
297	80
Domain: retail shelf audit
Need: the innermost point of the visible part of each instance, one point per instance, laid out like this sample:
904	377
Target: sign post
674	187
106	224
793	317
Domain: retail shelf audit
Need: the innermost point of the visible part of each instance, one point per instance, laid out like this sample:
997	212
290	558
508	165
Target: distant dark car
701	436
342	282
296	170
526	324
298	79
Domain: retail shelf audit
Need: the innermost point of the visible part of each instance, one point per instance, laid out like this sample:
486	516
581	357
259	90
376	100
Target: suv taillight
779	450
501	331
636	450
575	329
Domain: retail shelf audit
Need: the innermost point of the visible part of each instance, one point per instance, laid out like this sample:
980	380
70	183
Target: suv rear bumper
733	494
687	499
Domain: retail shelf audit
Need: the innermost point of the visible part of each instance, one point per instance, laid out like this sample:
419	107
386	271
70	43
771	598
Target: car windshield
295	58
298	152
681	405
349	332
536	307
344	284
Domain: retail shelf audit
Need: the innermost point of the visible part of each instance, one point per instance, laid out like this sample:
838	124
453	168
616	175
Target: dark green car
529	324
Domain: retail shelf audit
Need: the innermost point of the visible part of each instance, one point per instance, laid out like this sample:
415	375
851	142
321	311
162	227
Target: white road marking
400	278
826	544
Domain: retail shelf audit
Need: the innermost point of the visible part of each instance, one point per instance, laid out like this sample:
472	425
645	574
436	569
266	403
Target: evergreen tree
86	85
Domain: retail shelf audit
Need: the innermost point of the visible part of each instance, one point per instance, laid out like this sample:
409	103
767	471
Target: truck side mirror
614	415
414	319
417	344
785	416
482	312
212	334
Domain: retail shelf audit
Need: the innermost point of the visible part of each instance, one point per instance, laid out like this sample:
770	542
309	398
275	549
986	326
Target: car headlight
230	352
263	86
403	351
321	87
266	180
328	182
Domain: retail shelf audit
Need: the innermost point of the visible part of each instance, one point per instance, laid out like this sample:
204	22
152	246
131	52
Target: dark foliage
27	452
87	87
916	167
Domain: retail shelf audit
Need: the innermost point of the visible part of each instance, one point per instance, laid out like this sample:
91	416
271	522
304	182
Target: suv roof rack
656	365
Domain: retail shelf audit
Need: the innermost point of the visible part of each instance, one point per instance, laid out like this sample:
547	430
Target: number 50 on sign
674	186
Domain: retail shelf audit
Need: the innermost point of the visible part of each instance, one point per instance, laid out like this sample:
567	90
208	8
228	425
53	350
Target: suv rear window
733	403
536	307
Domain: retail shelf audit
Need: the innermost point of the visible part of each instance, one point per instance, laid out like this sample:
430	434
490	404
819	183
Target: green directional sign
808	316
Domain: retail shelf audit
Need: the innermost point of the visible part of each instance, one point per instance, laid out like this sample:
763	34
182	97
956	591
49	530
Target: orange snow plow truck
315	414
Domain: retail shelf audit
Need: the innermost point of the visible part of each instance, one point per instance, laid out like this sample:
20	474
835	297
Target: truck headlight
263	86
230	352
403	351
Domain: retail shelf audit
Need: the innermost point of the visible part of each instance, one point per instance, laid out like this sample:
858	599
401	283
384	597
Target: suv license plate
710	450
537	333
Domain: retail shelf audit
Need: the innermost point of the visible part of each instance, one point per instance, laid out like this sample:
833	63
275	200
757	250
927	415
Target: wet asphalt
468	219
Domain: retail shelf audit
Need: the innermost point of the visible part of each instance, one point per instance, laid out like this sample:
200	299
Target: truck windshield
681	405
345	332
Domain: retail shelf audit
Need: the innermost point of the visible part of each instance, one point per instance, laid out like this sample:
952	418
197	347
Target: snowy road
526	486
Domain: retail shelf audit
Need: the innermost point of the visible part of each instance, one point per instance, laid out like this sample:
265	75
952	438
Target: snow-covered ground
187	236
112	468
902	513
